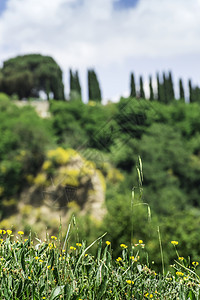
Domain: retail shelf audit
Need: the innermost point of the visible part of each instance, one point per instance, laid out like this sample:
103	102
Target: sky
115	37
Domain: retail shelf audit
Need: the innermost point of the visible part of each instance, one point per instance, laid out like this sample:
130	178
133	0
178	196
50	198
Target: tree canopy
28	75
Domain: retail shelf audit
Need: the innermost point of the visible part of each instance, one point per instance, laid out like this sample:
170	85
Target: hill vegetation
167	137
162	206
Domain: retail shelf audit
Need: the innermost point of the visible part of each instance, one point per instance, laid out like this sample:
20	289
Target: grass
52	269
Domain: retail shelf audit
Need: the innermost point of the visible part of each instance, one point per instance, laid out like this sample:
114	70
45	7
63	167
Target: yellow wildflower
53	237
129	281
151	296
9	232
195	263
179	273
36	257
20	232
78	244
140	241
108	243
119	259
174	243
72	248
50	245
123	246
181	258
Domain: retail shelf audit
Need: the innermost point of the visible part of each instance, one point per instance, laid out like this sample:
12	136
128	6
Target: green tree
181	90
94	91
151	97
75	87
132	86
27	75
195	94
191	96
158	87
141	93
171	87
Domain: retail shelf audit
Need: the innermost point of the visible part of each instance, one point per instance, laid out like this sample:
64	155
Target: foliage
167	137
94	92
24	137
132	86
27	75
141	93
75	88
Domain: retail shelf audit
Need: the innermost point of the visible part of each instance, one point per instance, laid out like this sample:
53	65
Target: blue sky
115	37
125	4
2	6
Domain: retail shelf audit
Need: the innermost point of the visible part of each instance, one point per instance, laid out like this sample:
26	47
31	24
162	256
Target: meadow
56	269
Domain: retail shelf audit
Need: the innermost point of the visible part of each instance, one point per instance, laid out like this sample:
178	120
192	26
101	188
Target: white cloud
85	33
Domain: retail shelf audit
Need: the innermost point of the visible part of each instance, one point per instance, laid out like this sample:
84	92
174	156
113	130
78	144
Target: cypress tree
78	86
158	87
75	88
141	94
181	90
190	91
165	88
94	91
196	94
171	87
71	81
132	85
151	97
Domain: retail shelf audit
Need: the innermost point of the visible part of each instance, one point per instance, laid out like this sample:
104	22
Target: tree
75	88
141	93
94	91
190	91
151	97
181	90
28	75
171	87
132	85
158	87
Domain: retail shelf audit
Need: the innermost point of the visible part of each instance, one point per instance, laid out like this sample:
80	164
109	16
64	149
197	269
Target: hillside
108	139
